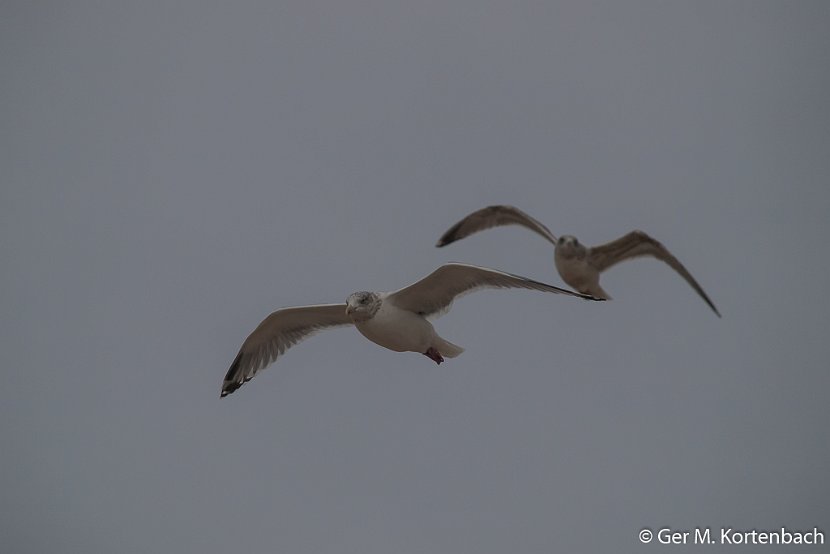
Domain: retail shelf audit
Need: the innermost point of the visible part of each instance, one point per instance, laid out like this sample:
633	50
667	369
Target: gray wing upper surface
493	216
434	293
277	333
637	244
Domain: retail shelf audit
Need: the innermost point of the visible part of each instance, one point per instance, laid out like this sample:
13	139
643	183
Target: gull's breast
398	330
574	271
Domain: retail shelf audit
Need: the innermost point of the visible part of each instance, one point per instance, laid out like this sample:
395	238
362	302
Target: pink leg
434	355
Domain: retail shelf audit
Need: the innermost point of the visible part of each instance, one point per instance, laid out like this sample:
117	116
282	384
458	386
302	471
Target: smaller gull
395	320
578	265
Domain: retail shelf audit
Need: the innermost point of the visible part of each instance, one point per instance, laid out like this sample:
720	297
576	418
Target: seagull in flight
395	320
578	265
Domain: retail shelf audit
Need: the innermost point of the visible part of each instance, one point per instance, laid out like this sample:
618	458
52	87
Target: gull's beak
349	309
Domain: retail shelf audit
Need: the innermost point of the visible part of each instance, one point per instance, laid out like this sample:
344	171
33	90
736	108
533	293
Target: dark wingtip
711	305
588	297
708	300
445	240
449	236
230	383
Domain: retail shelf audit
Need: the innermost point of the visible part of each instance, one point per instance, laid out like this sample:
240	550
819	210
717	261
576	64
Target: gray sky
172	172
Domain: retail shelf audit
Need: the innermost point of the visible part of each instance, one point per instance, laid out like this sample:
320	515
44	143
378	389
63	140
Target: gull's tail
447	349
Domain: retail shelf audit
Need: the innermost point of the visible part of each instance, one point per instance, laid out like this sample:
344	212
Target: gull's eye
364	300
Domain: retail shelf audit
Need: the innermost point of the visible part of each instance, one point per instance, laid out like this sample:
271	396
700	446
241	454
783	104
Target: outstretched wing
435	292
637	244
277	333
493	216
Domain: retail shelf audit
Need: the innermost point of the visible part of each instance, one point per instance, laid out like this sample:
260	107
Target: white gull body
404	331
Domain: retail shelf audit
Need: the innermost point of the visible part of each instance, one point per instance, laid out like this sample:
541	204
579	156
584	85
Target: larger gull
395	320
578	265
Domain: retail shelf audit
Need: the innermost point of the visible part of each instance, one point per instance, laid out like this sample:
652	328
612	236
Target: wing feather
637	244
277	333
493	216
434	293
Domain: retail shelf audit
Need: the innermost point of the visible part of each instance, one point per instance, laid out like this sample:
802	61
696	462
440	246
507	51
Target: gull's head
362	305
569	246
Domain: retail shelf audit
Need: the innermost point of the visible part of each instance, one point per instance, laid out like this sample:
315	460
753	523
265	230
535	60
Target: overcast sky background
173	172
